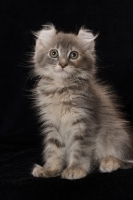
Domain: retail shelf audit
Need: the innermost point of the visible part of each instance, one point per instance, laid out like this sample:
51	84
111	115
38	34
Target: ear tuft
87	39
45	35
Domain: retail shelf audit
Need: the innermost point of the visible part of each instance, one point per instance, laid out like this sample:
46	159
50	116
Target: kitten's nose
63	64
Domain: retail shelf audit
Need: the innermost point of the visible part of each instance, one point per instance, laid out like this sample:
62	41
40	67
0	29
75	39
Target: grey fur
81	124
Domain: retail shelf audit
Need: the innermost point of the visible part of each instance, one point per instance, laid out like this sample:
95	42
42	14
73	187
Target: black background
20	143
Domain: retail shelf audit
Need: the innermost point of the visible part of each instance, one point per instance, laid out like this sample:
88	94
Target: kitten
81	125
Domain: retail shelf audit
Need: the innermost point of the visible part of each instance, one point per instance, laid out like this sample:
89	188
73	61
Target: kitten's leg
114	150
79	164
79	158
53	155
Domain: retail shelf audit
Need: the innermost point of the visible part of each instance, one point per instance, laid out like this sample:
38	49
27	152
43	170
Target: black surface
20	143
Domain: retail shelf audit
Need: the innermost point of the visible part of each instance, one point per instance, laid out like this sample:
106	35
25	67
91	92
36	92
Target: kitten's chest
55	95
58	107
60	104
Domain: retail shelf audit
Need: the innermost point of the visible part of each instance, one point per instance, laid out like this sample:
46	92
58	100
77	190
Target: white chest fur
58	108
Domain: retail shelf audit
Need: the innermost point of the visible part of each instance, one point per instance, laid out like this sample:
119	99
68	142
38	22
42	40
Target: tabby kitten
81	125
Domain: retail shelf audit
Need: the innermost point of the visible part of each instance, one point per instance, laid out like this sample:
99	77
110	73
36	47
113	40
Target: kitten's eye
54	53
73	55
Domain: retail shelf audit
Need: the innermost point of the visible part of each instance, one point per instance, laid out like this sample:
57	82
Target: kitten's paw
73	173
39	171
109	164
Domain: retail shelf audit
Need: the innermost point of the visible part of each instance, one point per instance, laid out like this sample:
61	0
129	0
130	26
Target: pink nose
63	64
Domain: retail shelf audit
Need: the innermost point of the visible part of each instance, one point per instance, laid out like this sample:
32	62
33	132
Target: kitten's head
60	56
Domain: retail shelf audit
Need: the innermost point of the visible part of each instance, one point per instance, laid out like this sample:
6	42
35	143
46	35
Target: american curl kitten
81	125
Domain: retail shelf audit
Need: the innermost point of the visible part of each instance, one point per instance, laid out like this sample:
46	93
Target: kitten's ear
87	39
45	35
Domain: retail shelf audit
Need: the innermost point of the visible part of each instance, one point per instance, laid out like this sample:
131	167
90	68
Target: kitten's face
60	56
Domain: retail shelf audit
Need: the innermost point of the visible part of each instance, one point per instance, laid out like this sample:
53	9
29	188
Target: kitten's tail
126	153
127	164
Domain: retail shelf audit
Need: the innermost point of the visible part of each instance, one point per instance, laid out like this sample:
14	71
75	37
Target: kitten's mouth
61	71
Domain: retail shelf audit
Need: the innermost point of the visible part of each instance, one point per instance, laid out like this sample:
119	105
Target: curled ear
45	35
87	39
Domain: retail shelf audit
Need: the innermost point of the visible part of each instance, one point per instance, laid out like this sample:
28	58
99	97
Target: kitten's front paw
109	164
73	173
39	171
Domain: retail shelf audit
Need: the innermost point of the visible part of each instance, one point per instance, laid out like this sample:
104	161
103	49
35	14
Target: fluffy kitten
81	125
